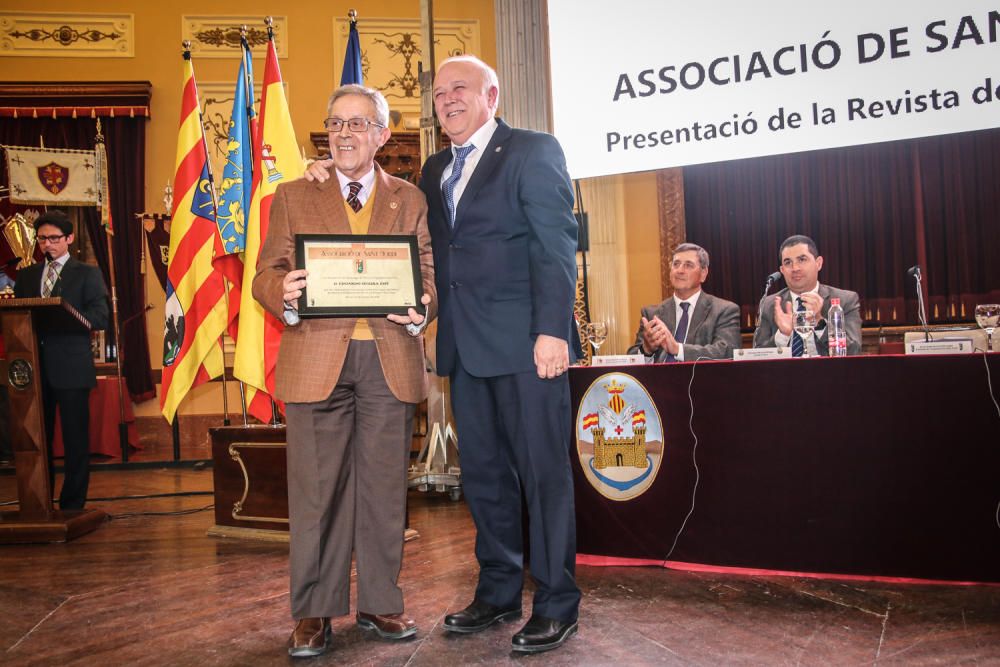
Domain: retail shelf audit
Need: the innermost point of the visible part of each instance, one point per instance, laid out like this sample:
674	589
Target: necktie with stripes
798	345
352	196
448	188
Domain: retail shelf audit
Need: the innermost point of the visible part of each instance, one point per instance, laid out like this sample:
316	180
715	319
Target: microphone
771	279
914	272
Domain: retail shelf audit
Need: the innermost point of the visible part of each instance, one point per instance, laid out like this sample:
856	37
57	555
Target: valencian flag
235	189
352	56
195	314
276	160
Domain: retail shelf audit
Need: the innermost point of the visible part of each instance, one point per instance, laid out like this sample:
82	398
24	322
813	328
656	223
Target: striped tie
798	344
51	276
448	187
352	196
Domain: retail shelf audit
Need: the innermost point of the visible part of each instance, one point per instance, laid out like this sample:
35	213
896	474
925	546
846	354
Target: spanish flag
590	421
195	314
639	418
276	160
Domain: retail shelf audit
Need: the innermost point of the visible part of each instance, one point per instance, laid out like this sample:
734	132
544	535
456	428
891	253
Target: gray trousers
347	461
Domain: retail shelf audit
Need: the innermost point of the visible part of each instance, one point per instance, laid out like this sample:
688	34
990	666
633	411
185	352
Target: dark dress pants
513	436
74	413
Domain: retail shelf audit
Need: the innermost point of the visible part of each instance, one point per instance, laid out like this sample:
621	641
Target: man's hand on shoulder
551	356
319	171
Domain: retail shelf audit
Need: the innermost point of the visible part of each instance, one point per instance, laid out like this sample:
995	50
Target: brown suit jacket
312	354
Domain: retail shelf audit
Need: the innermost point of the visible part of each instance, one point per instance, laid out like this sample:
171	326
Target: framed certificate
359	275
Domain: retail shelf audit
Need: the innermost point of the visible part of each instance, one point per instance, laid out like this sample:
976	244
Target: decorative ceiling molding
67	35
391	51
218	35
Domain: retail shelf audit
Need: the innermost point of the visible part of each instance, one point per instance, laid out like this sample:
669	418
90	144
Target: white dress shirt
678	313
367	184
781	340
480	139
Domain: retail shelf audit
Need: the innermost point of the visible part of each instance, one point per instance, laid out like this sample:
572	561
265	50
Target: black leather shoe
542	634
478	616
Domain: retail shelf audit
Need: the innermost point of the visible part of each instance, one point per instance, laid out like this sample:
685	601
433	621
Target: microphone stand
760	304
921	312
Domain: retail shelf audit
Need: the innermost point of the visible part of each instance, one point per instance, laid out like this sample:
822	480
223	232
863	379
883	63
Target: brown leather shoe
310	637
392	626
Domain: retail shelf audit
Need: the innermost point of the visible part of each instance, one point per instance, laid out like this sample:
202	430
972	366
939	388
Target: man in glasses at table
800	265
68	373
350	386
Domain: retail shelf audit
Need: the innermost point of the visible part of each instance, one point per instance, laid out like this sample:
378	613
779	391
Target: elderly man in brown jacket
350	386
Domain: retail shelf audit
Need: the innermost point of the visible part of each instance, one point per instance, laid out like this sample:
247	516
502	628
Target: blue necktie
682	328
448	187
798	345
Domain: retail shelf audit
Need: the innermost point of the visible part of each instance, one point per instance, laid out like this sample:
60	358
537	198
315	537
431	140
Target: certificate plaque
359	275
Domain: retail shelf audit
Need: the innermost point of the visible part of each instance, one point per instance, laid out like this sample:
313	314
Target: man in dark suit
691	324
67	361
350	385
504	239
800	265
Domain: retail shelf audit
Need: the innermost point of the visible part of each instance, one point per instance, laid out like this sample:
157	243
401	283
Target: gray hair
702	253
375	97
489	74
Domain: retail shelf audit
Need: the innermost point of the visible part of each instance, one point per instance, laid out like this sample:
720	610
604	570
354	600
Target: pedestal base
56	527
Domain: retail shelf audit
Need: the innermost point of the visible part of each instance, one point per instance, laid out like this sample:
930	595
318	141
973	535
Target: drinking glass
597	333
805	322
987	317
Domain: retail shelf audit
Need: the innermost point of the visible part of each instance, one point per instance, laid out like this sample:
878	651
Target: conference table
873	466
105	416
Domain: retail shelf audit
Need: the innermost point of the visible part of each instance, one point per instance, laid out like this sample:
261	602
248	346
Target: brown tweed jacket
312	354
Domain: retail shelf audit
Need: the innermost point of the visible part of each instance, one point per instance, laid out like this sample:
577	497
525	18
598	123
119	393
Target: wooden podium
35	520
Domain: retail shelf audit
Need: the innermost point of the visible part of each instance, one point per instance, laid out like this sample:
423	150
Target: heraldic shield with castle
619	437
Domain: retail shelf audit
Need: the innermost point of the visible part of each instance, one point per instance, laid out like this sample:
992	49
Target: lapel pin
393	205
498	149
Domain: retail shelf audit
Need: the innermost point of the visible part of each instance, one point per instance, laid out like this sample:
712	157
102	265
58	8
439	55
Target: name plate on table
758	353
941	346
618	360
358	275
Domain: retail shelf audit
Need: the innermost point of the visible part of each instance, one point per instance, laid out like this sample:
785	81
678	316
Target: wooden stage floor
154	590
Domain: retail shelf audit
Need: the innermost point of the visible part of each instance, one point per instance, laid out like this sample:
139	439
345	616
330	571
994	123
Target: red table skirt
104	419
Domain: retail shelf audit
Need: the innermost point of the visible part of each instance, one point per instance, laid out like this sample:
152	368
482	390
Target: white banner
642	84
52	177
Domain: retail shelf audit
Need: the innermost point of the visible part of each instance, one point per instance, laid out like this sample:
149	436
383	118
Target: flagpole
225	281
248	85
122	424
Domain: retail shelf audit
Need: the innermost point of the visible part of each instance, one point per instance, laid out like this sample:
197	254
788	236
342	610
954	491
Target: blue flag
237	175
352	58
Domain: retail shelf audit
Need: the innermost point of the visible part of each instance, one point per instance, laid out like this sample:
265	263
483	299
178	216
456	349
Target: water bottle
837	330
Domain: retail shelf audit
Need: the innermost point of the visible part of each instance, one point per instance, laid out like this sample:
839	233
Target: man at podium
67	363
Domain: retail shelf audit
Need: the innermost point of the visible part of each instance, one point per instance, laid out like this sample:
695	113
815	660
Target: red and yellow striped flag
277	160
195	314
590	421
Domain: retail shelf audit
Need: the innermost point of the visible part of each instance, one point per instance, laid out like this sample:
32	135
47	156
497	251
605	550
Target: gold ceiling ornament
218	35
62	34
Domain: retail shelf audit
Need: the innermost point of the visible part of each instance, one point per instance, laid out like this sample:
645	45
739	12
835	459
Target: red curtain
126	147
873	210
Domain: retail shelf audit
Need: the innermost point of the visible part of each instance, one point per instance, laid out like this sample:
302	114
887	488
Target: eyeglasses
357	125
50	239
